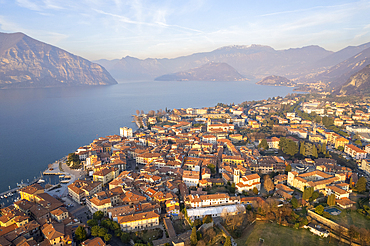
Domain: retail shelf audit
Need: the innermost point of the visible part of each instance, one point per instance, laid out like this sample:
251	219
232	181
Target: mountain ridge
26	62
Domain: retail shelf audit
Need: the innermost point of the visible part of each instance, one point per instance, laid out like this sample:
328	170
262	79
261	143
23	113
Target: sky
112	29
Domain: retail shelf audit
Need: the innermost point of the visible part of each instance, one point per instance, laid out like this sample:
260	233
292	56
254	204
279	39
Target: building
355	152
248	183
210	200
200	213
139	221
191	178
97	241
340	142
106	175
125	132
83	188
30	192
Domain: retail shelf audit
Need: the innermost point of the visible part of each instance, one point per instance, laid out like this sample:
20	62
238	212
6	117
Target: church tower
236	176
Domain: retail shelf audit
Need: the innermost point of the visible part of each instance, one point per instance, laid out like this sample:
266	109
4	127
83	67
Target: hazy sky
109	29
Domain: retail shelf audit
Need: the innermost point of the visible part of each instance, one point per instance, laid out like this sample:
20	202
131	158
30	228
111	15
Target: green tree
361	184
197	223
323	148
302	149
340	148
98	215
319	210
212	168
314	151
95	231
92	223
80	234
282	143
228	241
263	145
315	195
291	148
107	237
294	202
331	200
102	232
125	237
307	193
73	160
358	142
193	237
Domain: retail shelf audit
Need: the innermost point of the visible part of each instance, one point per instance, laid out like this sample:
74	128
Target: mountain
251	61
341	55
26	62
208	72
337	75
275	81
359	83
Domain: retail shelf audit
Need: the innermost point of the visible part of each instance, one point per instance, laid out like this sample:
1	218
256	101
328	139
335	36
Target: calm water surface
39	126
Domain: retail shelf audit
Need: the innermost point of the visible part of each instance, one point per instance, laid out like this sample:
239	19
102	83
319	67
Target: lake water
40	126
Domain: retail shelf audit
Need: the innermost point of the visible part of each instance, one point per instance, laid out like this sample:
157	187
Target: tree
358	142
288	168
331	200
319	210
307	193
291	148
95	231
228	241
263	144
302	149
268	184
255	190
197	223
98	215
92	223
212	168
294	202
314	151
207	219
315	195
193	237
364	236
102	232
361	184
73	160
323	148
125	237
80	234
107	237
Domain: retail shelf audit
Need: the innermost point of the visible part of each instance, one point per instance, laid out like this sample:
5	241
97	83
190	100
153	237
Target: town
256	172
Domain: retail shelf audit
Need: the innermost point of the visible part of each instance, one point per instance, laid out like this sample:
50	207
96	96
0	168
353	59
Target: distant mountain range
26	62
298	65
208	72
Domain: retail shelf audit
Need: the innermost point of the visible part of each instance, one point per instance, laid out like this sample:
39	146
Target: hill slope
26	62
207	72
359	83
275	81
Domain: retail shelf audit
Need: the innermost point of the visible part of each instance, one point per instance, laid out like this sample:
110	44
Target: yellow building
106	175
29	192
341	142
138	221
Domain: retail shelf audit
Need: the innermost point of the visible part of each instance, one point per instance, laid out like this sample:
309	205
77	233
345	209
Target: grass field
351	218
274	234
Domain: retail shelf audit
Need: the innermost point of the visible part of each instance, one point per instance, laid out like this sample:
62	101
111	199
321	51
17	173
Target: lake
40	126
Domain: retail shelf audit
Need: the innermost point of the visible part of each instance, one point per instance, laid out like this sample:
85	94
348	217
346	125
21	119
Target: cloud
28	4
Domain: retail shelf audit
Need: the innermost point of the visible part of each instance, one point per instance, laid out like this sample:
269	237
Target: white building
125	132
199	213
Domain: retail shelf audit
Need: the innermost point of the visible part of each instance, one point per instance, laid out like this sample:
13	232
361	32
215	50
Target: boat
61	176
65	181
67	177
1	197
41	181
5	196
